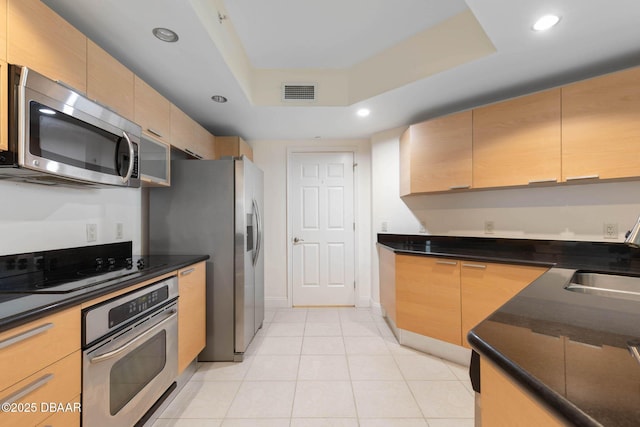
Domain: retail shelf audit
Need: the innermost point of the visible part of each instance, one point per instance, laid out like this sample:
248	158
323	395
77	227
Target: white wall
36	217
562	212
271	157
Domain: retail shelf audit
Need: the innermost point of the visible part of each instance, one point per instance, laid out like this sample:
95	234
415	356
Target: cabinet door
428	296
155	162
517	142
600	127
22	348
505	403
487	286
3	30
58	383
191	313
387	268
182	131
439	154
205	142
109	82
4	102
40	39
233	146
152	111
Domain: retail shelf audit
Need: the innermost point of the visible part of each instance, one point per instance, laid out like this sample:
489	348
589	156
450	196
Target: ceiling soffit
455	41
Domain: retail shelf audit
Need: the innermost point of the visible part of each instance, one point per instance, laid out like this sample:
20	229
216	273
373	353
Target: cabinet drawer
35	397
64	418
29	348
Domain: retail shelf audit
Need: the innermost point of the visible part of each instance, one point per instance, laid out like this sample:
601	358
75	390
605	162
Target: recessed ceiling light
363	112
546	22
219	98
165	34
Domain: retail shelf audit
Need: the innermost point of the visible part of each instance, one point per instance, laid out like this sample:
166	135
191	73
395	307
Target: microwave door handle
132	160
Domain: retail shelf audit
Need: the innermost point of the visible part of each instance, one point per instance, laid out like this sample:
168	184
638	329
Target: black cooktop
66	270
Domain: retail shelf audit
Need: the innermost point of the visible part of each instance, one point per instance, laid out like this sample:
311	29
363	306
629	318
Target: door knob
296	240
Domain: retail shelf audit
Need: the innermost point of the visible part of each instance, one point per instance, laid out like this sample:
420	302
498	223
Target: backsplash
36	217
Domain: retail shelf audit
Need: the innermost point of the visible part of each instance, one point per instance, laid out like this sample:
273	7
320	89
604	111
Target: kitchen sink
603	284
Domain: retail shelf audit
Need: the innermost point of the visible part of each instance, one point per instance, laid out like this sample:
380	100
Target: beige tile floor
334	367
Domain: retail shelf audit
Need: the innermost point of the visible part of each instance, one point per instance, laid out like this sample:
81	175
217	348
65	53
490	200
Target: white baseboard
444	350
376	308
276	302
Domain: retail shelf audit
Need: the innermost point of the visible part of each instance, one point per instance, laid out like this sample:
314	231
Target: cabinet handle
25	335
193	154
447	262
481	266
187	272
155	132
577	178
459	187
542	181
29	388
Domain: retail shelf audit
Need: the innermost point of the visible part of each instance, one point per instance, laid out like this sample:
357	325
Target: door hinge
354	284
355	165
354	226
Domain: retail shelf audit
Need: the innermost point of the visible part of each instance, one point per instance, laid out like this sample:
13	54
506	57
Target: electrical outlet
92	232
488	227
119	230
384	226
610	230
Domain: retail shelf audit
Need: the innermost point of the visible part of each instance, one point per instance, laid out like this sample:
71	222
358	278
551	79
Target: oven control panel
134	307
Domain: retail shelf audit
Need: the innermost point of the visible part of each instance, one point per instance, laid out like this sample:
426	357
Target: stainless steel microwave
59	136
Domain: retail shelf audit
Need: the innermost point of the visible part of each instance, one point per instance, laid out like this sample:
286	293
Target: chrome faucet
632	237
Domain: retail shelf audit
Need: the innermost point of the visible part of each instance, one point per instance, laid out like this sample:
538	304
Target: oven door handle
113	353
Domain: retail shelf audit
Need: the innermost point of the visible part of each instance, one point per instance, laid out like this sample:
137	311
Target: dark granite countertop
568	349
17	309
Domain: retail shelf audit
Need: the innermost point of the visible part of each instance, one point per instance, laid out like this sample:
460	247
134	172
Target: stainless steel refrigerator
215	207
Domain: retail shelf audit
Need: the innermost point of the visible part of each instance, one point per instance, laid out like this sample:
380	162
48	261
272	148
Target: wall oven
130	354
57	135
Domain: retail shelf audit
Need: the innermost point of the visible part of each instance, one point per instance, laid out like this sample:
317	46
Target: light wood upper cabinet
191	313
233	146
109	82
435	155
487	286
387	268
600	127
428	296
39	38
182	130
205	141
152	111
517	142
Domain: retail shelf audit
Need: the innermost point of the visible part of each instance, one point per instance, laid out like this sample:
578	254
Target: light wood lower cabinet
191	313
428	296
387	263
4	103
32	398
35	345
506	404
64	418
486	286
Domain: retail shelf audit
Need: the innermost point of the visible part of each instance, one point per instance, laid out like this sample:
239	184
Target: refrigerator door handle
256	210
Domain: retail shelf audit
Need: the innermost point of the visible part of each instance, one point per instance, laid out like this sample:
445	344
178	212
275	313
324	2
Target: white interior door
321	206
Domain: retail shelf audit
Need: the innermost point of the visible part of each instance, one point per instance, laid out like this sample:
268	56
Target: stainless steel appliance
214	207
57	135
130	354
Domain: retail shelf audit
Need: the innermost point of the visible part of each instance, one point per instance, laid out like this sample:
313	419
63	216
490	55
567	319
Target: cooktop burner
67	270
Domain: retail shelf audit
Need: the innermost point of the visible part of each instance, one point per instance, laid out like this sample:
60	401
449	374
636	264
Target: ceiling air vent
298	92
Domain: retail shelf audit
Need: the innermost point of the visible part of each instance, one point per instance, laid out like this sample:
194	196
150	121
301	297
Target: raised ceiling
405	60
